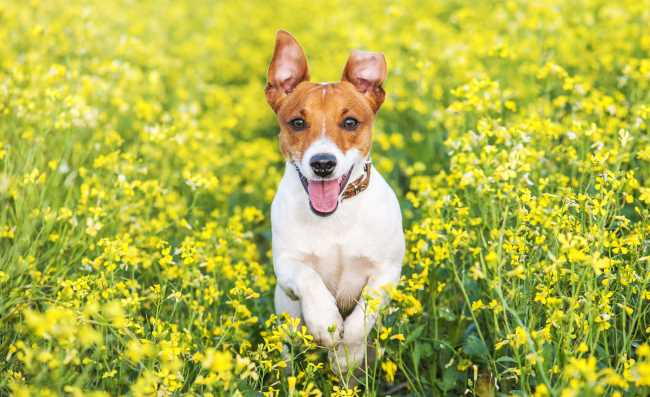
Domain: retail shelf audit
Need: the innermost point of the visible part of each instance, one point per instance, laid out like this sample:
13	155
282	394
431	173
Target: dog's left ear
367	72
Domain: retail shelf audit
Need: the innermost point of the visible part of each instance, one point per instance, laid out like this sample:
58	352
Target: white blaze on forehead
323	129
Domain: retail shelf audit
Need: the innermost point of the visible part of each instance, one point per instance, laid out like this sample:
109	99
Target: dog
336	223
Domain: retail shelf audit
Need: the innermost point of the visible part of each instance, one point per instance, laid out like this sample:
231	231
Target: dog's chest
343	269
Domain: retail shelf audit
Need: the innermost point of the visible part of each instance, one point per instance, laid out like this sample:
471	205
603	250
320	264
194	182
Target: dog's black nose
323	164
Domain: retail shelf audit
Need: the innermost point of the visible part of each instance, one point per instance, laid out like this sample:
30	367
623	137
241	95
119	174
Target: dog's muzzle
324	195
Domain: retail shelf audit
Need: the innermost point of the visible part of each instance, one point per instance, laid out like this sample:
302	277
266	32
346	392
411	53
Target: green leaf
415	334
506	359
449	379
475	348
447	314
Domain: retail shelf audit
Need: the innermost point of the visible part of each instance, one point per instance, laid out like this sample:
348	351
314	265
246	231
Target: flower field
138	161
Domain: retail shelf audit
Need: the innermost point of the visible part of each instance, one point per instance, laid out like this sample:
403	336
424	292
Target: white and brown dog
337	226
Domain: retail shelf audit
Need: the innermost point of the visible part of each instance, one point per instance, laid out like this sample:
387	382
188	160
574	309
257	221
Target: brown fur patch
324	107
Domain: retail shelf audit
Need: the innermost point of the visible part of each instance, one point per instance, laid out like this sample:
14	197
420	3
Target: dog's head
325	128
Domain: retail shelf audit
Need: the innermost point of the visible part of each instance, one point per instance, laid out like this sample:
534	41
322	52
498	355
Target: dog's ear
367	72
288	69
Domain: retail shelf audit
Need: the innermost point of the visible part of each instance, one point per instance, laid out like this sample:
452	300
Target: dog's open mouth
324	194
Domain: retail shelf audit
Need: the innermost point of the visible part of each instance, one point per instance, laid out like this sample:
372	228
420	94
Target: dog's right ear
288	69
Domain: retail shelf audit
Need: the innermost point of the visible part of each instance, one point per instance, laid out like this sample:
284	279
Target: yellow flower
644	351
291	384
582	347
520	337
345	392
643	374
109	374
115	314
491	258
542	391
137	350
88	336
7	232
477	305
219	363
398	337
389	369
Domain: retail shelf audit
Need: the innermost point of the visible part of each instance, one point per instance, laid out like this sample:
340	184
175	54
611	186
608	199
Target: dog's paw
356	328
326	326
347	357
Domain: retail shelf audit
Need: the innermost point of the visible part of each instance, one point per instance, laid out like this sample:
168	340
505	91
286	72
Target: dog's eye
350	123
298	124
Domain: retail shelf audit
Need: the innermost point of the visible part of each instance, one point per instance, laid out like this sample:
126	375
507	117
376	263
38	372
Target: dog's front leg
359	323
318	306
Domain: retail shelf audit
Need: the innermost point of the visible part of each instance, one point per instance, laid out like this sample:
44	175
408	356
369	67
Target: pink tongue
323	194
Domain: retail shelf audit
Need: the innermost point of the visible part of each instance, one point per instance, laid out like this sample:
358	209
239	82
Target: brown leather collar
358	185
351	189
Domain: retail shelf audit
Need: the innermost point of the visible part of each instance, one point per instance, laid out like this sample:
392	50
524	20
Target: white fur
343	161
323	263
